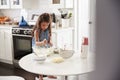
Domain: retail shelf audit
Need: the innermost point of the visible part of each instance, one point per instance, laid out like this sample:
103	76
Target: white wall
47	6
44	6
83	17
81	10
81	20
13	13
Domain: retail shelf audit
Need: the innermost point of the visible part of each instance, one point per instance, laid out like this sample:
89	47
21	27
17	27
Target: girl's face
44	25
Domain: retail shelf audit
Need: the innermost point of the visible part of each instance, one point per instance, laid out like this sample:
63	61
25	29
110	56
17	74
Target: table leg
63	78
77	77
66	77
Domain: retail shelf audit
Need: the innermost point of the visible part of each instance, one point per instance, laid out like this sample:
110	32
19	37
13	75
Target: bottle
84	48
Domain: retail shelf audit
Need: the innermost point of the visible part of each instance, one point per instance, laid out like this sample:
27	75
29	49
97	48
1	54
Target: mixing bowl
66	53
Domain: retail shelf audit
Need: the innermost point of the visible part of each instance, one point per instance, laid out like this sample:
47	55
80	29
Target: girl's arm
37	42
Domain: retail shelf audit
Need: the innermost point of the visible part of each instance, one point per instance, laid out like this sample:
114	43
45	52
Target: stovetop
24	27
26	30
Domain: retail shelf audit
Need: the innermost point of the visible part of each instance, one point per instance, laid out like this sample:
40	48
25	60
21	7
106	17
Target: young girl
42	34
42	31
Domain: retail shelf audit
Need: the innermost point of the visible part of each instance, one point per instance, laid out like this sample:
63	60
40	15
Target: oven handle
21	35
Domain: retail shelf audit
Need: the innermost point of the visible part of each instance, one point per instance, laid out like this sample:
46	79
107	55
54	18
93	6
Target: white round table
72	66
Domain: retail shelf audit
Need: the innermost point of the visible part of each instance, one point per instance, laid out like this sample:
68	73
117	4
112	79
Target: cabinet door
2	46
4	4
16	4
8	45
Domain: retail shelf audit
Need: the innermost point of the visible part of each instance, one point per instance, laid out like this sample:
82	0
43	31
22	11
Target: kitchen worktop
7	26
53	29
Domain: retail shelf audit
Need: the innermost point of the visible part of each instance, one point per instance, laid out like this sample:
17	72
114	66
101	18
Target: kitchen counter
7	26
53	29
6	44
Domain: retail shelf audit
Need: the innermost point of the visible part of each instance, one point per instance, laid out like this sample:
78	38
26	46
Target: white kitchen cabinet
10	4
68	3
4	4
24	4
18	4
6	45
2	46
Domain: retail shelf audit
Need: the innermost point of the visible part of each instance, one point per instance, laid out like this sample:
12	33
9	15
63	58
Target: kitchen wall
44	6
12	13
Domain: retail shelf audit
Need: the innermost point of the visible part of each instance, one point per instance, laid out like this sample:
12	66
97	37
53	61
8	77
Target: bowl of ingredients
39	50
66	53
40	54
40	58
45	51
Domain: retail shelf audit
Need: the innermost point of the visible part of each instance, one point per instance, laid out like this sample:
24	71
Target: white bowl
66	53
39	50
43	51
40	58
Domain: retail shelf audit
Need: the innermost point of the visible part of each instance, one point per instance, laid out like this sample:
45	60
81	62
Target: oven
22	43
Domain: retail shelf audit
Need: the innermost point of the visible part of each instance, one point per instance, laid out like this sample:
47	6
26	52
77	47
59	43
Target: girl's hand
45	41
51	44
42	43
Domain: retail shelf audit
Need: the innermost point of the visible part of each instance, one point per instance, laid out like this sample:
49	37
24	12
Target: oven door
22	45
